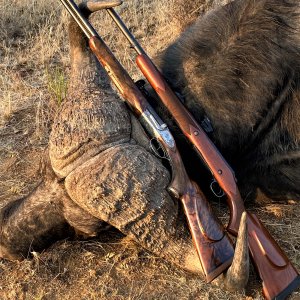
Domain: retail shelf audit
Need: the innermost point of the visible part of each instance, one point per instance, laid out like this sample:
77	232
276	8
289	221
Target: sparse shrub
57	84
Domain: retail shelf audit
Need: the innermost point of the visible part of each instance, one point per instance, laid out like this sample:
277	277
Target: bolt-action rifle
214	248
279	276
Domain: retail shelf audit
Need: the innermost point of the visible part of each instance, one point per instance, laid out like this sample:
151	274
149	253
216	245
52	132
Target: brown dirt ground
34	65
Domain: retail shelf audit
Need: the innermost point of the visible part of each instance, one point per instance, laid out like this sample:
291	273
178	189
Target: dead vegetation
34	68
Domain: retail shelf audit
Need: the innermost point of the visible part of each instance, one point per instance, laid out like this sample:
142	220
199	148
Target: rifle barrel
137	47
85	26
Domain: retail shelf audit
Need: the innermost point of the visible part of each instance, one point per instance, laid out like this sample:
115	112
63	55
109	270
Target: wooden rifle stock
279	276
207	233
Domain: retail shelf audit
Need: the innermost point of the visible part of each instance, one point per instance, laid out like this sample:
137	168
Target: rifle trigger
215	188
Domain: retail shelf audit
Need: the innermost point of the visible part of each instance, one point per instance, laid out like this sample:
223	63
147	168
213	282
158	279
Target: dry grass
34	70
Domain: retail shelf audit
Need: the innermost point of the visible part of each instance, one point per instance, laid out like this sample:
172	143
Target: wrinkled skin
99	169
